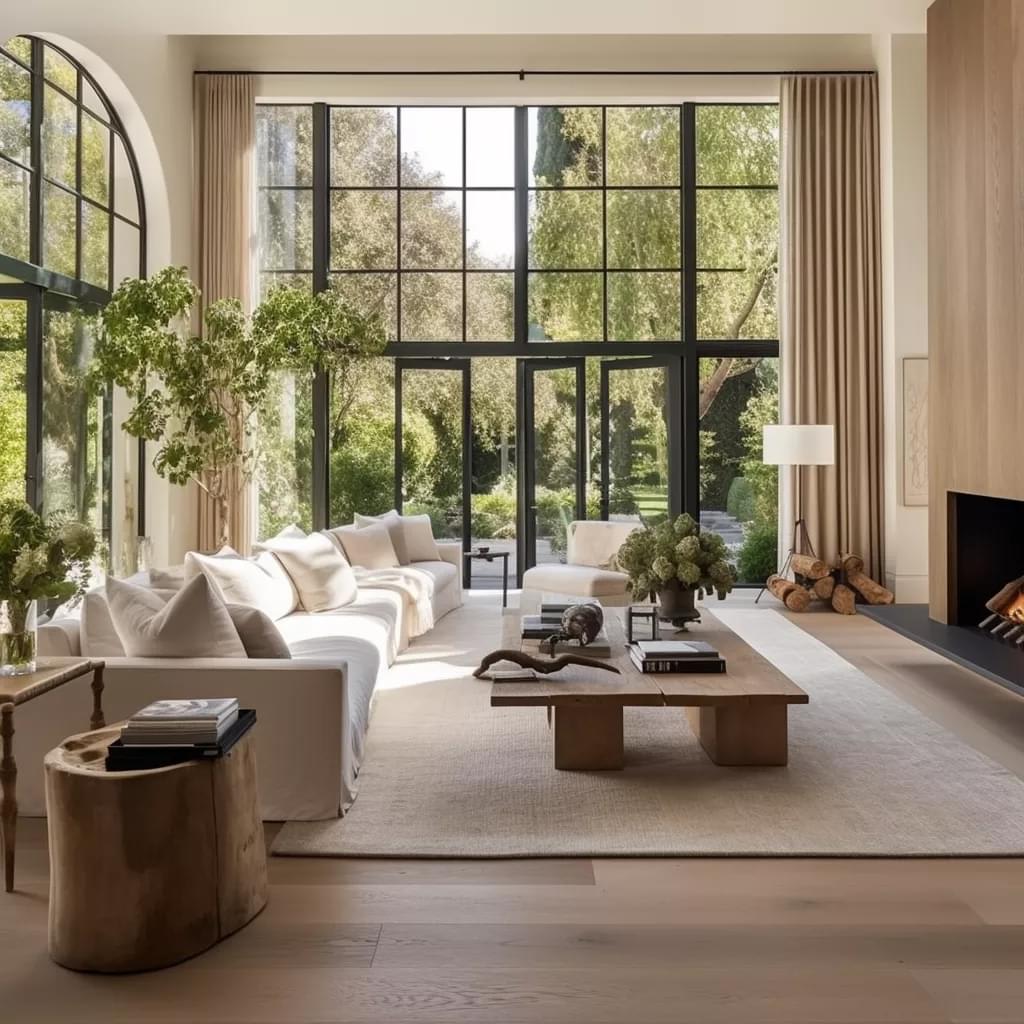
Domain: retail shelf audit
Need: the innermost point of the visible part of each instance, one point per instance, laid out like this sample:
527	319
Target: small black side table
490	556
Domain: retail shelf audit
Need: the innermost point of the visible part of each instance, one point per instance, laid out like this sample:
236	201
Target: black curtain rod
521	74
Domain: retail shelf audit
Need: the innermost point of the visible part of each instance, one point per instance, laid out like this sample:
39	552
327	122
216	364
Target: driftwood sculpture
542	665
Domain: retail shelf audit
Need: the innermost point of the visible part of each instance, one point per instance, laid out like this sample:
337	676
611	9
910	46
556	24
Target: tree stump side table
148	868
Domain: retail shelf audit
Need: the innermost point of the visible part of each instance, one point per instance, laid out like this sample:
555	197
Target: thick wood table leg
8	797
97	721
752	734
588	737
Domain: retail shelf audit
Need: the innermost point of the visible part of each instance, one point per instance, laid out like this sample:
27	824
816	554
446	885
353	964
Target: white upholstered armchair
590	551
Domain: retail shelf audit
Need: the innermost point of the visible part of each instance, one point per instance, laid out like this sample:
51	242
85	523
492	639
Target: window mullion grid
521	320
604	223
690	410
321	259
79	234
398	224
465	208
35	157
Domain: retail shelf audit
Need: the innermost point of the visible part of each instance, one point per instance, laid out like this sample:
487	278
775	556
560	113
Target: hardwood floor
594	942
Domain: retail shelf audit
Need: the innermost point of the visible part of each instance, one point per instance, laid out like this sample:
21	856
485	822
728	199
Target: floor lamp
799	446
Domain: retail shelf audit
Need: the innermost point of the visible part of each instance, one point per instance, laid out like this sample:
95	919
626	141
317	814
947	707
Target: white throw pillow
195	623
369	547
99	637
412	536
259	582
172	578
321	575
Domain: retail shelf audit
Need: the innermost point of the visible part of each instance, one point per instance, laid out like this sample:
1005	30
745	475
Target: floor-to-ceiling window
71	226
580	304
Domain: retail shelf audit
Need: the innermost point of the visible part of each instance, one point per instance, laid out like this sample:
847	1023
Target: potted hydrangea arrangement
39	559
676	562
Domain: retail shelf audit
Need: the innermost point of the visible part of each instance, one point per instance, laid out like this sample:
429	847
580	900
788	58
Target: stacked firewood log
840	585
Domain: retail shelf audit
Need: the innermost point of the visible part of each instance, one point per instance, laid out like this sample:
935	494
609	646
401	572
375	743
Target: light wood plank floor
595	942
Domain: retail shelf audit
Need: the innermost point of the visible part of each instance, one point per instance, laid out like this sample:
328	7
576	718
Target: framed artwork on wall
915	430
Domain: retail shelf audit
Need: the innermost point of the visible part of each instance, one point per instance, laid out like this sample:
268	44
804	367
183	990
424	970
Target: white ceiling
458	17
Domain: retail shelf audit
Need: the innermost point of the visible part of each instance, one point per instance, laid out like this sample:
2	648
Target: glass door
433	445
553	462
640	449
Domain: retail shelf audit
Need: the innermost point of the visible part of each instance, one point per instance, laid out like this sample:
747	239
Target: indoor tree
199	395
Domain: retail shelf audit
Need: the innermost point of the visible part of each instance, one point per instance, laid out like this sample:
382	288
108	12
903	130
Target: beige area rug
446	775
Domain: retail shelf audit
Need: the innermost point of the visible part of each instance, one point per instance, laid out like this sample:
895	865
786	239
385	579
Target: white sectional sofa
313	709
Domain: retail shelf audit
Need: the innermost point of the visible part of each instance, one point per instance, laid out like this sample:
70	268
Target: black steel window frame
682	356
45	286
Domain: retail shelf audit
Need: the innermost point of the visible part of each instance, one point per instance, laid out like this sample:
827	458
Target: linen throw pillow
259	636
369	547
194	623
259	582
412	536
320	573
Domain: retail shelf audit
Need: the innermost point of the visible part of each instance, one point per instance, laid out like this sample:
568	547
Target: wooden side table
149	867
14	690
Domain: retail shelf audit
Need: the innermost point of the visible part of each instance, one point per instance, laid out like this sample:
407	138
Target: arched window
72	225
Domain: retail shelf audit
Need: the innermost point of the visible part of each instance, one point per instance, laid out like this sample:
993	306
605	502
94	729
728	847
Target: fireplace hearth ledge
1001	663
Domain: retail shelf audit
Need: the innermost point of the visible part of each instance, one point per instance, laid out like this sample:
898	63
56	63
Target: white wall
903	86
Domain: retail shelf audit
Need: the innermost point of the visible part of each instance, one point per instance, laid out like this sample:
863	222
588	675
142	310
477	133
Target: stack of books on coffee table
655	656
172	731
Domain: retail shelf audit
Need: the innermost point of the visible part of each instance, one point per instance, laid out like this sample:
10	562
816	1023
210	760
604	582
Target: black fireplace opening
986	555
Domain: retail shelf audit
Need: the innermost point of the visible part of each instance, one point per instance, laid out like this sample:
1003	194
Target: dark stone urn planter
676	604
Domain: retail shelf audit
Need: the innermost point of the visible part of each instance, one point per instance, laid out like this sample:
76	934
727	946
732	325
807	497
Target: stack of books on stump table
675	656
172	731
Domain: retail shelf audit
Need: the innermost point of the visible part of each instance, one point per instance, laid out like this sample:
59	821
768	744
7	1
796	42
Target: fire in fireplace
1007	619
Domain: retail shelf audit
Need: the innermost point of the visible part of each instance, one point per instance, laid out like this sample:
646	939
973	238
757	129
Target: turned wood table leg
588	737
8	798
97	721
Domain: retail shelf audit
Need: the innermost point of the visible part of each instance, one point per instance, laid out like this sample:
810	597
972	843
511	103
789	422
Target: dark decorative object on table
483	550
581	623
539	664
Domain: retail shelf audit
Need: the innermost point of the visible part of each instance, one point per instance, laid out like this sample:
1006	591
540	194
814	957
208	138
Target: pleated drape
225	139
830	302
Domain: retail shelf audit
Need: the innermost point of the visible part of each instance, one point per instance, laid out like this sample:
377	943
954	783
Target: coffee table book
123	757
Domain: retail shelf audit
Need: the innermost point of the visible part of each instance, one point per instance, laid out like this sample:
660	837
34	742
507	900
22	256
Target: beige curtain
225	138
830	302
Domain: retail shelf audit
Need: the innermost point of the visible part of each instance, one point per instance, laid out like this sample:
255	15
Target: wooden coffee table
740	717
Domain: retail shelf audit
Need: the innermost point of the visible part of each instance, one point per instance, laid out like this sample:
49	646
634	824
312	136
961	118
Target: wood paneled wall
976	261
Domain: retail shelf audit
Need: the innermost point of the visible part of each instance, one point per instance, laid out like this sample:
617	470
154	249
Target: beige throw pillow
321	575
412	536
258	582
259	636
369	547
194	623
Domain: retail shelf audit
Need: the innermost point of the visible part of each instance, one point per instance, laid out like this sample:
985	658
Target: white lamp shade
797	445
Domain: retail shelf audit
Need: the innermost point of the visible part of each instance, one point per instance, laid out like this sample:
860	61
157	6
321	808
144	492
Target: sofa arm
303	752
451	552
60	638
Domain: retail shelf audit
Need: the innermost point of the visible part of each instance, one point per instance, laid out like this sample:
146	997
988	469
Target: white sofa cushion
99	637
579	580
260	582
322	576
434	575
195	623
368	547
412	536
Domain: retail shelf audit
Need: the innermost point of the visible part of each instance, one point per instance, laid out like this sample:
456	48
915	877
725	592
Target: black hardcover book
121	758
